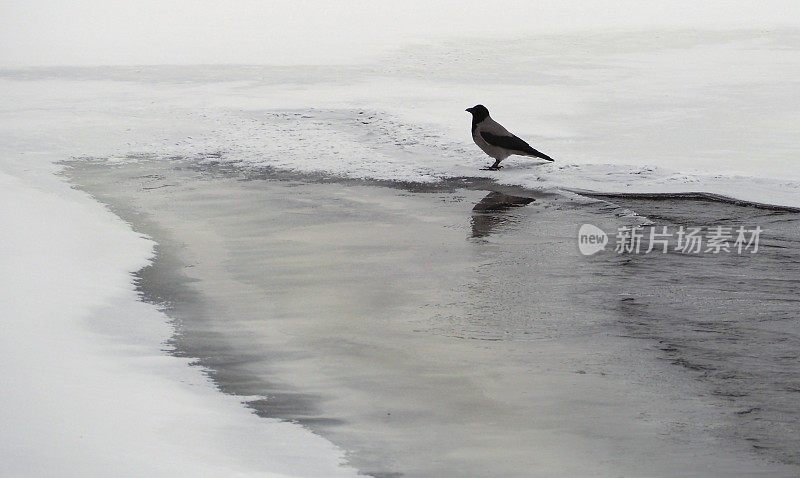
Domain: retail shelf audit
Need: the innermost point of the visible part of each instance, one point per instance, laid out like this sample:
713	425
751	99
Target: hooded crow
495	140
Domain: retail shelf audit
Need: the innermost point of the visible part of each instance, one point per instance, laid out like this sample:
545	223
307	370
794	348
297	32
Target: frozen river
330	251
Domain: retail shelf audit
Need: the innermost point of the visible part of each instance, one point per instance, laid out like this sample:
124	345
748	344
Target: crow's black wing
513	143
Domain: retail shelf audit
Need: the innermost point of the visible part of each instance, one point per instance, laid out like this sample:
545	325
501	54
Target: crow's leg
493	167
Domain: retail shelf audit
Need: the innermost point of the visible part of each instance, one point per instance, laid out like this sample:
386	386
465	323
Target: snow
646	112
88	387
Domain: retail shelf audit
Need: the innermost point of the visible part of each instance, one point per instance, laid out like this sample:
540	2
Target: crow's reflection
492	212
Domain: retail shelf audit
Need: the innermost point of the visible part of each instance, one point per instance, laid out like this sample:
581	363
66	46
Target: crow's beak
469	110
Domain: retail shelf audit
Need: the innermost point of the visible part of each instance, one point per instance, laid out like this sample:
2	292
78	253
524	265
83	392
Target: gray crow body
496	141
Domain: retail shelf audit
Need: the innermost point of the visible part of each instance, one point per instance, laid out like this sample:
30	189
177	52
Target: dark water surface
458	331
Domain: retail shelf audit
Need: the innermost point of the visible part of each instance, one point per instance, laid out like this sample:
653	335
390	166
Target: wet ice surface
730	320
447	331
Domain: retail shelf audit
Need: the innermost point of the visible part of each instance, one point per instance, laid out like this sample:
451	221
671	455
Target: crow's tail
539	154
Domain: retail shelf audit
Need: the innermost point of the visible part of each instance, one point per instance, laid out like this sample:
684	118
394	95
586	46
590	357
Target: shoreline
700	196
483	183
91	390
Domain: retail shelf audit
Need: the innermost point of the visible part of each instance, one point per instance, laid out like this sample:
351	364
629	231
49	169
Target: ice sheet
647	112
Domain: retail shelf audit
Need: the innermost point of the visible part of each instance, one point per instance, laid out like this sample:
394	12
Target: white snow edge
87	388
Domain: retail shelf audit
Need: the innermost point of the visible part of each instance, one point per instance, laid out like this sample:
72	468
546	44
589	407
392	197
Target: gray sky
93	32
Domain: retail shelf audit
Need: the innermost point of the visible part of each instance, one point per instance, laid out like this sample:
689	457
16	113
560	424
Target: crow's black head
479	113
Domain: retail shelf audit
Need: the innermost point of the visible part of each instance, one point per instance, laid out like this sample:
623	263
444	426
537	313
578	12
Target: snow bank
87	388
374	144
